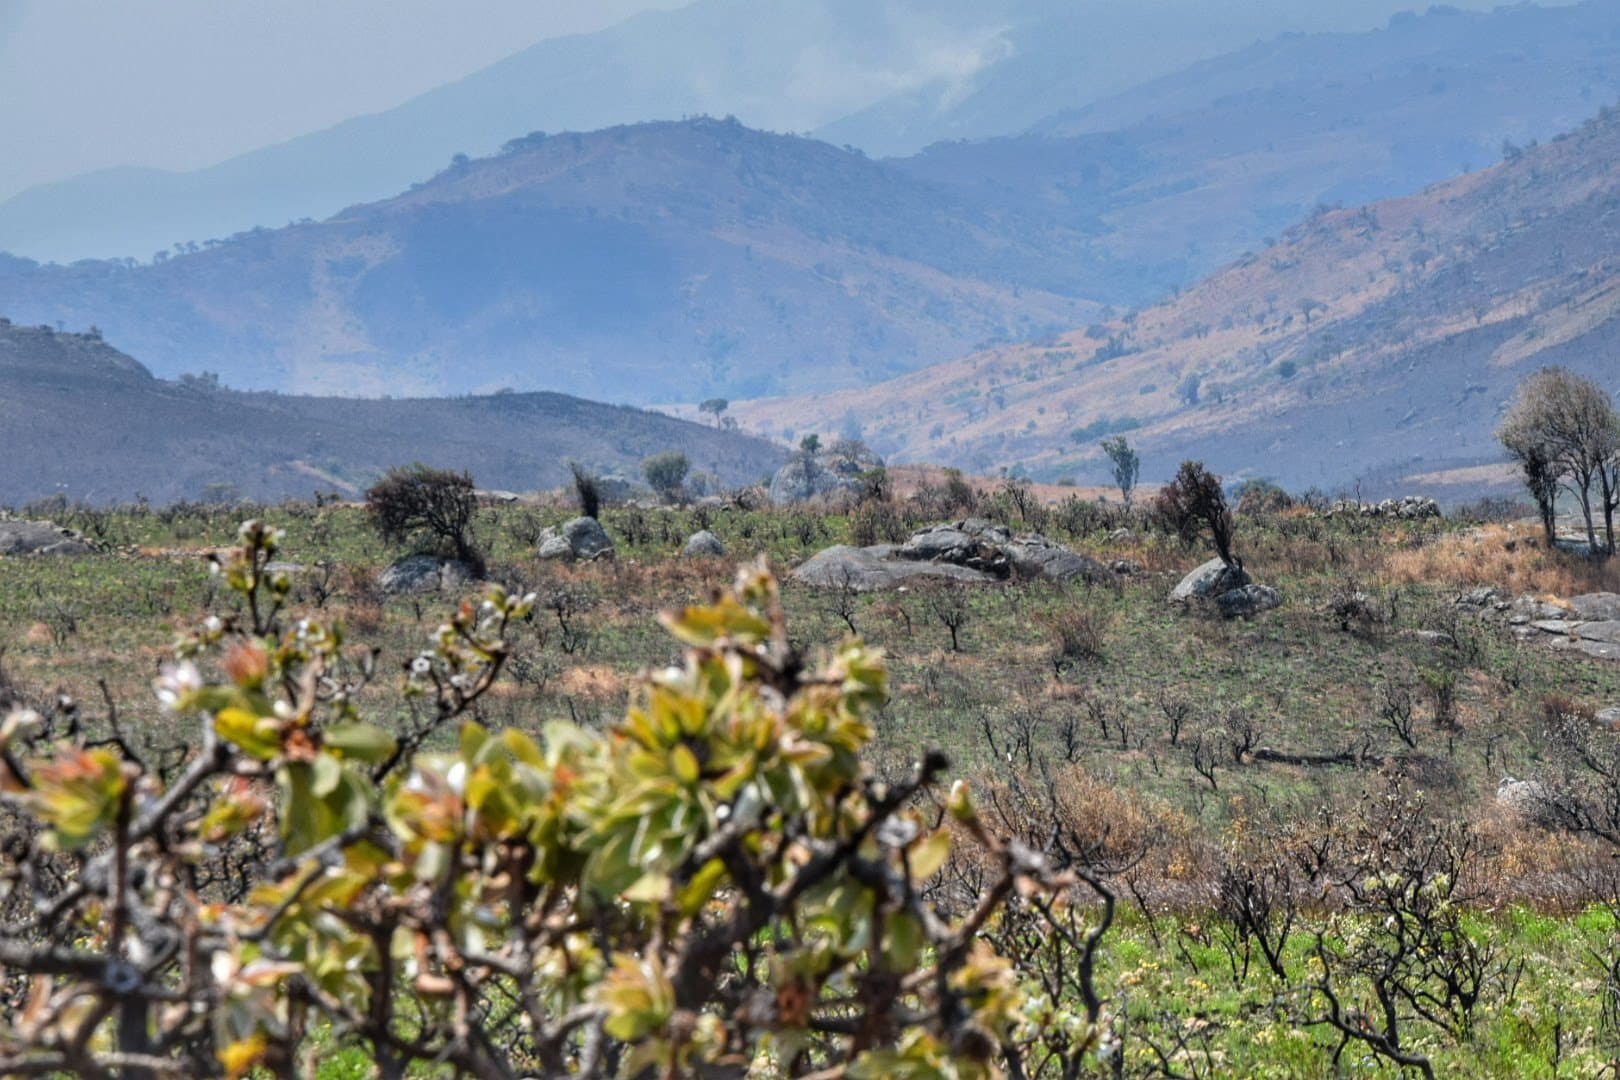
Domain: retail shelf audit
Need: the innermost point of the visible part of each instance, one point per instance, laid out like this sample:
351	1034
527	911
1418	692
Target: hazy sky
86	84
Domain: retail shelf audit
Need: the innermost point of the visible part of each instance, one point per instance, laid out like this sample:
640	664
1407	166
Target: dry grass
1508	557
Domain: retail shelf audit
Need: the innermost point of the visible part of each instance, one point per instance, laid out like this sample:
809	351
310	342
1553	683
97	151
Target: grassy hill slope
80	419
1378	343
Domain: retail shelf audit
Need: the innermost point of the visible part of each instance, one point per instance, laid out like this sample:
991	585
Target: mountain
1377	344
788	65
1178	177
81	419
654	262
890	76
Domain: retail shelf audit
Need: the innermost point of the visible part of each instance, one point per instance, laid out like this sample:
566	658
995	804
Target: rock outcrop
40	538
1588	624
1409	508
972	550
831	472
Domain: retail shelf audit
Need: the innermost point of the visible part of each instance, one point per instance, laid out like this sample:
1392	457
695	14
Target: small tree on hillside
715	406
666	472
1194	502
1563	428
421	503
1127	466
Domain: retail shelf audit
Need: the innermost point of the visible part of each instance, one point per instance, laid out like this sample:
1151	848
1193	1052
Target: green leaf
363	742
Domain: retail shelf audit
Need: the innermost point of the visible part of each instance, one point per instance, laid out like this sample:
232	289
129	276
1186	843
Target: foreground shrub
715	884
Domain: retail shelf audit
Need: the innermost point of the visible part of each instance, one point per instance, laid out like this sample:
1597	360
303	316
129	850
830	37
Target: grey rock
981	550
1481	597
1598	650
424	574
588	539
1248	601
1597	607
1212	579
1608	631
1038	557
496	496
556	547
1438	638
877	568
1609	717
1121	536
1529	800
1125	567
1554	626
703	544
832	472
1538	609
41	538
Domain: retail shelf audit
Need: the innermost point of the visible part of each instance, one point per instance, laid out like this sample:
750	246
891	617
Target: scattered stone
1248	601
1121	536
1484	596
423	574
1125	567
1609	717
1553	626
703	544
41	538
1212	579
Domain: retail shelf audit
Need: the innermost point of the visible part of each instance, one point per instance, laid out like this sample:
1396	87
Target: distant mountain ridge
1179	176
647	263
1377	344
80	419
890	76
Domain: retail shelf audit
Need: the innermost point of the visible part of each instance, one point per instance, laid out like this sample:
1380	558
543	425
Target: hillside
1377	344
652	262
1176	178
81	419
905	72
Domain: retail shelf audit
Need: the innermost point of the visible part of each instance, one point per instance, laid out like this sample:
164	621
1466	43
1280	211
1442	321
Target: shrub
1192	503
421	503
713	881
587	489
666	472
